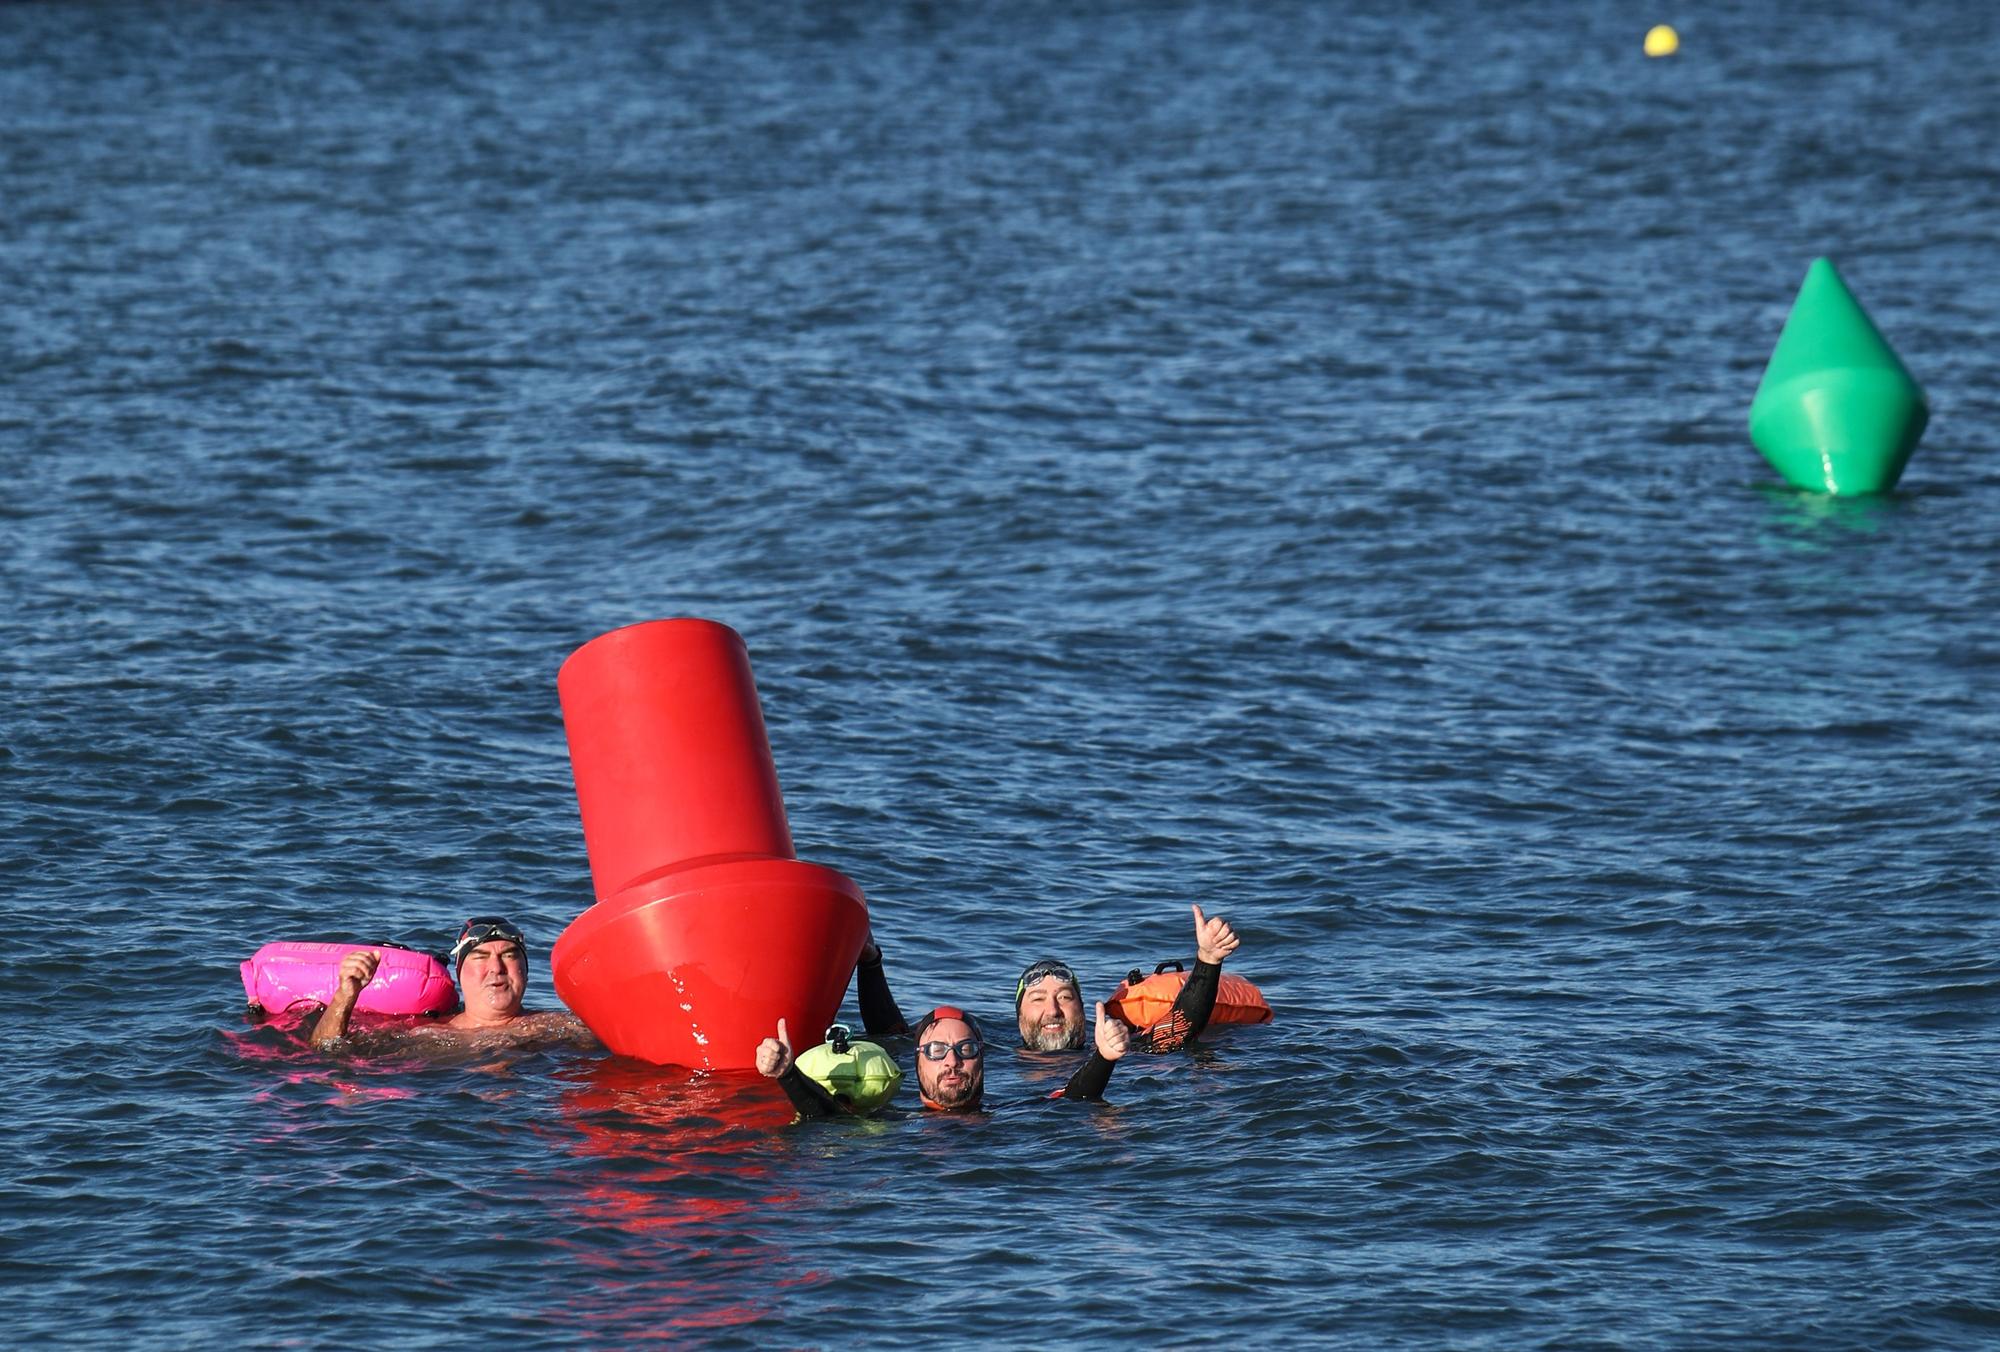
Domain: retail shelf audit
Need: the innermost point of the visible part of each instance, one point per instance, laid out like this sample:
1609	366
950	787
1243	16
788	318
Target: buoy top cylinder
667	742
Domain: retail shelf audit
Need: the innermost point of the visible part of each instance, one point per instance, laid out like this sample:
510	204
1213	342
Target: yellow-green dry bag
860	1075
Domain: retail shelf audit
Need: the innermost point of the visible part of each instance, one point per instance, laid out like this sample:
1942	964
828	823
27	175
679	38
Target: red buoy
707	930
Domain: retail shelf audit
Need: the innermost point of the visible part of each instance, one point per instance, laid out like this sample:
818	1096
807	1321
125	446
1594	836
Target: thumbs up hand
1213	939
1113	1037
774	1054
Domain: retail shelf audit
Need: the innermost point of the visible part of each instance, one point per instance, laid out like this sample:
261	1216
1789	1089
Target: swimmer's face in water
955	1081
493	979
1051	1017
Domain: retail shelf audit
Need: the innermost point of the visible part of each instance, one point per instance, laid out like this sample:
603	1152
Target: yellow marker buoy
1662	40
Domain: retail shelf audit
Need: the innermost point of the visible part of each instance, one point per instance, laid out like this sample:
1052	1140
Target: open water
1289	457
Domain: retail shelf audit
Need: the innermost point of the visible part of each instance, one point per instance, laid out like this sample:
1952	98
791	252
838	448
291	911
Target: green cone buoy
1837	411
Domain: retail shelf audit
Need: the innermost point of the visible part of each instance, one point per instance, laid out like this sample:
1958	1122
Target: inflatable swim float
1143	1001
288	972
860	1075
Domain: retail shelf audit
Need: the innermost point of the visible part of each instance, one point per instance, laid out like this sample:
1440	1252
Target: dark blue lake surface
1284	457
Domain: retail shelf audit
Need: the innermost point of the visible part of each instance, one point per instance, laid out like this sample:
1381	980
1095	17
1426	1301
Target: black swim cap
483	929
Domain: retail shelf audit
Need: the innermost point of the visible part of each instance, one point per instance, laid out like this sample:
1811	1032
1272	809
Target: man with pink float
490	961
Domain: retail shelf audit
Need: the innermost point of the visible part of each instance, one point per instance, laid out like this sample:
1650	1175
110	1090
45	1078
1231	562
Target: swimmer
951	1065
1048	1001
490	961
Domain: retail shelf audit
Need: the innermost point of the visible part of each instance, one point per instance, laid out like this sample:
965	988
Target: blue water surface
1284	457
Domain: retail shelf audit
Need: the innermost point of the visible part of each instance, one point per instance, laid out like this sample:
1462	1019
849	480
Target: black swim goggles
1046	967
968	1049
483	929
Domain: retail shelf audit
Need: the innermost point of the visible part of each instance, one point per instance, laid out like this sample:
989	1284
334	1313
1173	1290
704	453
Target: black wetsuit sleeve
879	1014
1090	1081
1192	1010
806	1095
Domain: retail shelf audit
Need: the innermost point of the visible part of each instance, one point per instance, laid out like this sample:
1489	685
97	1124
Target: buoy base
1841	431
696	967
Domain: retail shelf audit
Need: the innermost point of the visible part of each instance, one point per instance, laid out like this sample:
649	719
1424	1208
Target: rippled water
1286	457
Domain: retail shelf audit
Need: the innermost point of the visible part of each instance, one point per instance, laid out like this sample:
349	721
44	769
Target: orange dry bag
1143	1001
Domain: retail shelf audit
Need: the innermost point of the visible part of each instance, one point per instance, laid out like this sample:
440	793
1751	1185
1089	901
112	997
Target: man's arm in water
879	1014
1214	940
356	971
1113	1040
775	1062
561	1026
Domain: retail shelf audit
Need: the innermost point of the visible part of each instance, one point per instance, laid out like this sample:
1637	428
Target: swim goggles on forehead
1046	967
484	929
